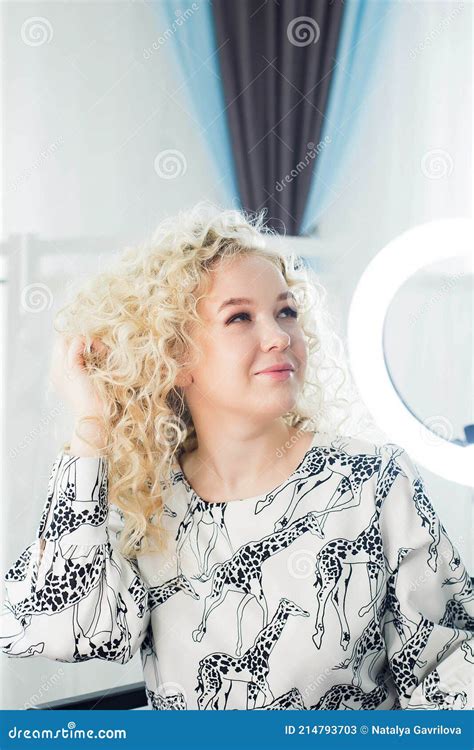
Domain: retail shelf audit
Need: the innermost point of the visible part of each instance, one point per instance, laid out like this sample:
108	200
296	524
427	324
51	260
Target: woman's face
238	340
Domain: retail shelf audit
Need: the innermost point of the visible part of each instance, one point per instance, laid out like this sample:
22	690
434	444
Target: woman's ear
183	378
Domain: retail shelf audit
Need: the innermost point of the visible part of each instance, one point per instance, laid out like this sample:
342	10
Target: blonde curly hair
143	308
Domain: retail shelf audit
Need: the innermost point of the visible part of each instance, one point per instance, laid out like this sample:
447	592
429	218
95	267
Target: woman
216	510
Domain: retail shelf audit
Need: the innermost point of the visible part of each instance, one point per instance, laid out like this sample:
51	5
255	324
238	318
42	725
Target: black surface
125	697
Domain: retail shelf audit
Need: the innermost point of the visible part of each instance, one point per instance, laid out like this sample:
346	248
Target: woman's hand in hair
70	377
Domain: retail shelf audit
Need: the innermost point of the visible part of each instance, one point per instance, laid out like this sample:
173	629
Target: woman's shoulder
350	444
360	454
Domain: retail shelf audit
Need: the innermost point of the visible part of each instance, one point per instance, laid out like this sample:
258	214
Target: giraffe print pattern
339	589
69	514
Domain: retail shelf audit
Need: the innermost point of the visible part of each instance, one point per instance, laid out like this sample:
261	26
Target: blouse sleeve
71	595
428	613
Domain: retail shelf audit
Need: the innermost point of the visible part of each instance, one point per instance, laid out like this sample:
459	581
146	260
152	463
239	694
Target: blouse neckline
179	473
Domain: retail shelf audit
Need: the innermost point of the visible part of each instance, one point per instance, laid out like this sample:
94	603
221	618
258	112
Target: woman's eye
234	317
293	313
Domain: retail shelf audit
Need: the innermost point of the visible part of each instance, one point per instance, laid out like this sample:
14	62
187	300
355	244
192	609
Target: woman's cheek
302	358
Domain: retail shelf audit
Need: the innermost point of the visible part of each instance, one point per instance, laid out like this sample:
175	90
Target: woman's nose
274	335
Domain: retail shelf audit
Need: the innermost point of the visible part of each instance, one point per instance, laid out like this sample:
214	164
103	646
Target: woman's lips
277	374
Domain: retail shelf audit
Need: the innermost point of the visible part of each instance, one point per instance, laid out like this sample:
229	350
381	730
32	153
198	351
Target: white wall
84	117
100	112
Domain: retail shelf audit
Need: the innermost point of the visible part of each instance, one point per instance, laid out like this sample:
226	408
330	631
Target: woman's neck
275	464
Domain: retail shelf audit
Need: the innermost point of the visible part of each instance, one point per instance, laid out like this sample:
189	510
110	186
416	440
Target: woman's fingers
99	346
69	357
75	358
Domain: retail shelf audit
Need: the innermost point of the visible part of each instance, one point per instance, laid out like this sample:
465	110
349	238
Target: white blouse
339	589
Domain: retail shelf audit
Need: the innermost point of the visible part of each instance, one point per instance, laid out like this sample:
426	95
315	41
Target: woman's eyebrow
244	300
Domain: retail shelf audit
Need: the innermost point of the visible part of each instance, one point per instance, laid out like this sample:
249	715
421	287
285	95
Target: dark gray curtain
276	59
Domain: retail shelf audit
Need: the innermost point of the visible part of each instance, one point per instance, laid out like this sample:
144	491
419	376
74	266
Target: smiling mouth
277	374
281	369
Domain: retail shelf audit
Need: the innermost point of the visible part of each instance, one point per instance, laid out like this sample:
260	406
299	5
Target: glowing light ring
383	277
